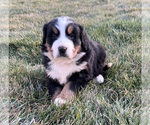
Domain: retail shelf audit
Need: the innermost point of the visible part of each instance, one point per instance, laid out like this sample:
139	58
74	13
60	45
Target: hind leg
100	78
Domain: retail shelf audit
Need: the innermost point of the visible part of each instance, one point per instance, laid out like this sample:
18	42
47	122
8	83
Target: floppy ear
84	39
44	33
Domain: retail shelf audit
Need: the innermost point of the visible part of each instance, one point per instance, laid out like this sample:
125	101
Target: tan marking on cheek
66	93
55	30
48	49
76	51
70	29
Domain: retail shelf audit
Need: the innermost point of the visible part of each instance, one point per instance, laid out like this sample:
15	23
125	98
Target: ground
116	25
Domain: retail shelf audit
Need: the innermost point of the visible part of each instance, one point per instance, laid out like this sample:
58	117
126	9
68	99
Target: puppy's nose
62	49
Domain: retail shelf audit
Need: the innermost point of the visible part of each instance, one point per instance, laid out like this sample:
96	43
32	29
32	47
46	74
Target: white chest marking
61	68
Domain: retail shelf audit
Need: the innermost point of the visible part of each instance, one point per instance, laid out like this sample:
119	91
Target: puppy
70	59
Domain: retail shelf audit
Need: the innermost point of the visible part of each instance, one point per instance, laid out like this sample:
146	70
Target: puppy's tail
106	67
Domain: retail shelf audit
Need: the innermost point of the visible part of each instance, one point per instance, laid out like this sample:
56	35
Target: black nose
62	49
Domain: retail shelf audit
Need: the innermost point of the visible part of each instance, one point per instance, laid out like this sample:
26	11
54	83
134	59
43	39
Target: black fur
95	56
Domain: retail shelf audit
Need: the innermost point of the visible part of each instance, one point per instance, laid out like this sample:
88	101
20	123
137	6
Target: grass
116	25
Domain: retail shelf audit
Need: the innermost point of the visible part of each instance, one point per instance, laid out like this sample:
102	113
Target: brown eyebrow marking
55	30
70	29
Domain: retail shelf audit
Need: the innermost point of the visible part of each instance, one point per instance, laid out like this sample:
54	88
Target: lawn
116	25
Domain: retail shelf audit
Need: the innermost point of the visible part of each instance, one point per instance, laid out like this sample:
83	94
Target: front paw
66	95
59	101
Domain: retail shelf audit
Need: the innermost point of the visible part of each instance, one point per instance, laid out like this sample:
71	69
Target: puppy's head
64	38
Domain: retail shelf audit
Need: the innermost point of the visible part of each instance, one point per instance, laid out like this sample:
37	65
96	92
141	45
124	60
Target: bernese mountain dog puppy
70	59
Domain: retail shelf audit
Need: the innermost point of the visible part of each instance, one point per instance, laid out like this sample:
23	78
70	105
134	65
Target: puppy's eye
72	36
54	36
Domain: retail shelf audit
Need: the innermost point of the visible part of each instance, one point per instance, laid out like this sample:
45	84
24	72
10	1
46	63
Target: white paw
59	101
99	79
109	65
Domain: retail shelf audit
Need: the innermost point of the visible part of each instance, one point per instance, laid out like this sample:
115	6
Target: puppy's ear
84	39
44	33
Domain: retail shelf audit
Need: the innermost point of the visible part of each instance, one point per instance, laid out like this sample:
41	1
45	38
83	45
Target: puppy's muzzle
62	51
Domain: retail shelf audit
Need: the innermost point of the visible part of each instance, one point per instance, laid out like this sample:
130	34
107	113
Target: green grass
116	25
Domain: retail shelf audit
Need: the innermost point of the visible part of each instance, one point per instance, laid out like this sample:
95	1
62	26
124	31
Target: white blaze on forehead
62	23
